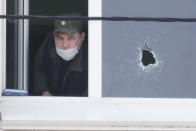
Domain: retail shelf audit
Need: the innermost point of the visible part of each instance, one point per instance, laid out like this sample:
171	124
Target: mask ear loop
78	44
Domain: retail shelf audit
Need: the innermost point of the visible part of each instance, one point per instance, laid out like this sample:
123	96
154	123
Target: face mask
68	54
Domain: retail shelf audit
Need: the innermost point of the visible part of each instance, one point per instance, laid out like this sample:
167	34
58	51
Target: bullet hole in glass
147	56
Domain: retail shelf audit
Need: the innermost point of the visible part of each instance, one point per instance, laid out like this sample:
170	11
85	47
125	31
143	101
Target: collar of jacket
75	65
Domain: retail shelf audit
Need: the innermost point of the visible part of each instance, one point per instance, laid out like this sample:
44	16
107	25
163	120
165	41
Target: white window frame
23	45
2	46
94	112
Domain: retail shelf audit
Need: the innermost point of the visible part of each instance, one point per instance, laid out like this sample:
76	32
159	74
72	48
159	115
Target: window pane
149	59
73	76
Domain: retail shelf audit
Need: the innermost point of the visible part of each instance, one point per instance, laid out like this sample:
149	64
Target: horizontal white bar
105	113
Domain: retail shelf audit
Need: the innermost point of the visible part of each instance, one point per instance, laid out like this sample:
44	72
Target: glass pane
12	47
50	76
149	59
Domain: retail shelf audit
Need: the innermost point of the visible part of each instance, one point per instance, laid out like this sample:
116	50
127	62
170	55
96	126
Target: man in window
61	64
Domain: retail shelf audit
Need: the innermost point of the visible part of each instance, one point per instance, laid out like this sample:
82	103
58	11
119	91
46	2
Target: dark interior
38	29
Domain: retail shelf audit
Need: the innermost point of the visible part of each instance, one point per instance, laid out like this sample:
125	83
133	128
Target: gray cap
68	26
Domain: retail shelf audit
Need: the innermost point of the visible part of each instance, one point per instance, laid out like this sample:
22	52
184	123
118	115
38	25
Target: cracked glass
148	59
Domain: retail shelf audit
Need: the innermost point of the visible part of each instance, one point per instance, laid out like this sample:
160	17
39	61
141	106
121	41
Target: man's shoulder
47	44
47	48
49	40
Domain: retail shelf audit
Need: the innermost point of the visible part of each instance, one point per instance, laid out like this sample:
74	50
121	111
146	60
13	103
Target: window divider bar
95	48
20	46
26	45
2	47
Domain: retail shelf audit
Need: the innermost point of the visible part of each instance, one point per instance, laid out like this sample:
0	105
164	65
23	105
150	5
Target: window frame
23	41
2	46
93	112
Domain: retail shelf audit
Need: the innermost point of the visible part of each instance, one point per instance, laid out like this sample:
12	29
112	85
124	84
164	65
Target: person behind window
61	64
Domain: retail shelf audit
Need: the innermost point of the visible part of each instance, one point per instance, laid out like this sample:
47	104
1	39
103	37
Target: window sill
74	113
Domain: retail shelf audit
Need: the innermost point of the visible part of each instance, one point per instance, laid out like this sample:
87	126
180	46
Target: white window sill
72	113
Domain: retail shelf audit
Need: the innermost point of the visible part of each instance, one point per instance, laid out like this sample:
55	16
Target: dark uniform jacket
48	71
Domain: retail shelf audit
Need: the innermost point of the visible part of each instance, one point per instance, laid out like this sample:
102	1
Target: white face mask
68	54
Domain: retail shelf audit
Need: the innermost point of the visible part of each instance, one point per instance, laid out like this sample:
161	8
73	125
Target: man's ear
83	36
